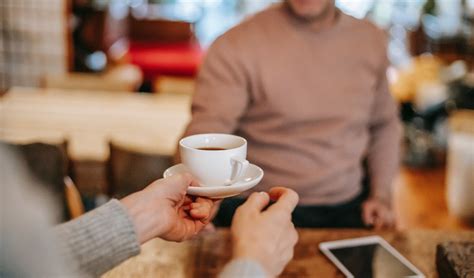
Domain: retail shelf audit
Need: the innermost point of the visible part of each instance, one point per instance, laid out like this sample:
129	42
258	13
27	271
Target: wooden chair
73	199
130	171
160	30
174	85
49	164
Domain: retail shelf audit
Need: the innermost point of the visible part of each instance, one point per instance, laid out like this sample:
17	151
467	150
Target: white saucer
252	176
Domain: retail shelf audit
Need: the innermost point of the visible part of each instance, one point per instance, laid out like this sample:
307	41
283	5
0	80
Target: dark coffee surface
212	149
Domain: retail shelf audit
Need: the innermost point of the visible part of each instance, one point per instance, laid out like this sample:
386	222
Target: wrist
382	196
382	199
145	226
245	252
245	267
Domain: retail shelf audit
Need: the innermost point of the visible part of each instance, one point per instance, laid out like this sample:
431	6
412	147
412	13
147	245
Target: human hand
163	210
377	214
266	236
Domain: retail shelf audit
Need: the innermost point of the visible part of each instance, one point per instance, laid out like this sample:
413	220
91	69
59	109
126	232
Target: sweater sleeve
98	240
243	268
222	94
385	138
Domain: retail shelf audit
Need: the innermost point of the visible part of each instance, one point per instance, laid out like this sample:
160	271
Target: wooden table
205	257
420	200
88	119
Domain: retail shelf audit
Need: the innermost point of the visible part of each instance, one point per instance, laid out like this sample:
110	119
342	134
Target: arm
221	95
103	238
255	253
383	155
99	240
384	147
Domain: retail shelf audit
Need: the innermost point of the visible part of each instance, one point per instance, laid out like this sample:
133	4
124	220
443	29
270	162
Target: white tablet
368	257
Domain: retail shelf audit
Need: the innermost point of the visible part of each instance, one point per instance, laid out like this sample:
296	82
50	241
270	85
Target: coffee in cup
212	149
214	159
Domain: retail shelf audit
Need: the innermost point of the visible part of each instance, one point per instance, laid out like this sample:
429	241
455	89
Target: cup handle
240	165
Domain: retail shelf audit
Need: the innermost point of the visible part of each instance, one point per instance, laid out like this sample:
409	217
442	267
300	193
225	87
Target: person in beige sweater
306	85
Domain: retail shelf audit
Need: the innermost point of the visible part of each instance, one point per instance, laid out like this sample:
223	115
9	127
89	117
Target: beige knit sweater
312	104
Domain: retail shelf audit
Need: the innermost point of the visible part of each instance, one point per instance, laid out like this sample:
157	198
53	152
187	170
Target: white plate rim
220	191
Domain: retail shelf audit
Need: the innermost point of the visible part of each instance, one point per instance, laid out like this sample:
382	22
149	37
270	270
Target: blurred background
96	93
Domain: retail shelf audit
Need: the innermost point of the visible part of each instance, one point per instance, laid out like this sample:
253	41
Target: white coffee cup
214	167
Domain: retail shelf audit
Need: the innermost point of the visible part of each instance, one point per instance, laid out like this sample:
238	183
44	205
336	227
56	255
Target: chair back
130	170
160	30
48	163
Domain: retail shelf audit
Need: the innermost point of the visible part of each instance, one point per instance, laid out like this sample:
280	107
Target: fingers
379	220
286	199
256	202
377	215
368	214
215	208
187	200
201	209
387	220
208	229
184	229
194	182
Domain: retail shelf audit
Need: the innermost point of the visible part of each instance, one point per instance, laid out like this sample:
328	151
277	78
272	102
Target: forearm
99	240
383	157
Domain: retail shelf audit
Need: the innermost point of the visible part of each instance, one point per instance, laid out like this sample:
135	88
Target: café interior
96	94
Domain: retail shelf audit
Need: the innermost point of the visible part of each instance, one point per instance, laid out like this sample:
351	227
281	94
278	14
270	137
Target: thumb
285	199
175	184
256	202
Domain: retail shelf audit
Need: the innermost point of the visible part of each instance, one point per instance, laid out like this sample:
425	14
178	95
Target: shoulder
366	31
250	29
371	40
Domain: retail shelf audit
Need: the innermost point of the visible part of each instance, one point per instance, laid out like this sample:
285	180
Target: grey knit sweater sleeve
243	268
103	238
98	240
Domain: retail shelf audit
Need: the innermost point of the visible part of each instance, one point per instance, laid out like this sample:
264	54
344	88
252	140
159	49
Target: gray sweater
88	246
105	237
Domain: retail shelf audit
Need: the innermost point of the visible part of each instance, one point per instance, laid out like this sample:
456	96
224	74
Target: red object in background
155	59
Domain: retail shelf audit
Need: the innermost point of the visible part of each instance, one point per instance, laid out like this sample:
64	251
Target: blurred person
306	85
103	238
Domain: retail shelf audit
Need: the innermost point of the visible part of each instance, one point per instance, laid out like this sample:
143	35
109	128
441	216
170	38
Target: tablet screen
371	260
